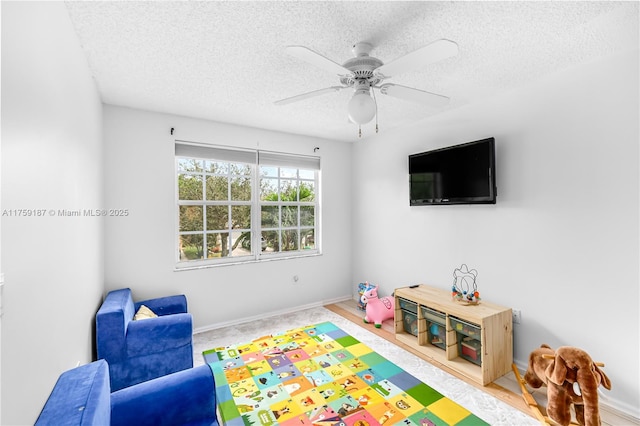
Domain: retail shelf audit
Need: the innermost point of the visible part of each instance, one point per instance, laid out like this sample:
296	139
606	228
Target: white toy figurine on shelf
378	309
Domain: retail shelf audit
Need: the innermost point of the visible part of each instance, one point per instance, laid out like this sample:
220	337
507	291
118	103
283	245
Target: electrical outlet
516	316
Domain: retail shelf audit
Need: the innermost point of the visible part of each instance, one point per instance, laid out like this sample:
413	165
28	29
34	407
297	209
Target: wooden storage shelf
493	321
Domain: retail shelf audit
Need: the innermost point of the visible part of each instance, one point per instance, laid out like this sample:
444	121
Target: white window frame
256	158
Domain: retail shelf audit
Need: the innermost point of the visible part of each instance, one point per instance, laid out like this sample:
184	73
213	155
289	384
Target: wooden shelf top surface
441	300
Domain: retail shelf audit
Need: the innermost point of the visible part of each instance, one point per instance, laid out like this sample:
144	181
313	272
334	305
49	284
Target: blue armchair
81	396
141	350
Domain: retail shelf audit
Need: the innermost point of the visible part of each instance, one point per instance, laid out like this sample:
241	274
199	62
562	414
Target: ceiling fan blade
414	95
309	95
317	59
433	52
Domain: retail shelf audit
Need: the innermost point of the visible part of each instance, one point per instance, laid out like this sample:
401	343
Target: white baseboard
611	414
271	314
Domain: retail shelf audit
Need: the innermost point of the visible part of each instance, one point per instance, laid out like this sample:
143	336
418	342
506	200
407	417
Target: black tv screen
459	174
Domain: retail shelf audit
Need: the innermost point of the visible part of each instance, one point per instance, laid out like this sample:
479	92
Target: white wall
51	159
561	244
140	248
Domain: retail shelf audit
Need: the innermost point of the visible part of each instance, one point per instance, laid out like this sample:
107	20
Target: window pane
189	187
217	167
289	216
308	239
217	188
270	241
269	216
217	244
241	188
241	217
307	191
269	189
190	247
307	215
288	190
189	165
241	243
190	218
267	171
289	240
240	169
288	173
307	174
243	246
217	218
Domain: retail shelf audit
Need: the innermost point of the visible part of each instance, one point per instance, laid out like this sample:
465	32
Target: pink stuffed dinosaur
377	309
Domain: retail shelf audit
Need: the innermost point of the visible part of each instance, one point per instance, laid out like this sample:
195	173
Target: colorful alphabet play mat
320	375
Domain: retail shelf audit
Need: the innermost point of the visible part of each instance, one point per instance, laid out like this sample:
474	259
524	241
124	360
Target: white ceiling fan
364	73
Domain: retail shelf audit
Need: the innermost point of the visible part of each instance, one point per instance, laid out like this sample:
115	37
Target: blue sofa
141	350
82	396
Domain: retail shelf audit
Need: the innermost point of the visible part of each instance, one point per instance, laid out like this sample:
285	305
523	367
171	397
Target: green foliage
189	187
191	247
190	218
191	252
217	188
307	194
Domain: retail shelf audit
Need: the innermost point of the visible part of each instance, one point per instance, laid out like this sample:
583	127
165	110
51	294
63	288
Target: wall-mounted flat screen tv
459	174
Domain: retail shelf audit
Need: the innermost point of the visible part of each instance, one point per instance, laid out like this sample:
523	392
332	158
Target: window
241	205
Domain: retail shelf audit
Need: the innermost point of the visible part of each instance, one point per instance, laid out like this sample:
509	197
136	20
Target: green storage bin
464	327
410	322
408	305
470	349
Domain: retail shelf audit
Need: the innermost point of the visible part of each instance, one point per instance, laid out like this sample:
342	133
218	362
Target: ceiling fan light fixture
363	73
362	108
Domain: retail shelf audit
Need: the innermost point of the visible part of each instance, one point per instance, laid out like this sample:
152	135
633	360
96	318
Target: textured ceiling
225	60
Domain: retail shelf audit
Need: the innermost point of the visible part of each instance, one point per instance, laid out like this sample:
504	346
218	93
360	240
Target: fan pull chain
359	131
375	101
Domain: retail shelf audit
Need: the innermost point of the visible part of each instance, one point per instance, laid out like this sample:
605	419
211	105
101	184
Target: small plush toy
362	287
377	309
571	377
